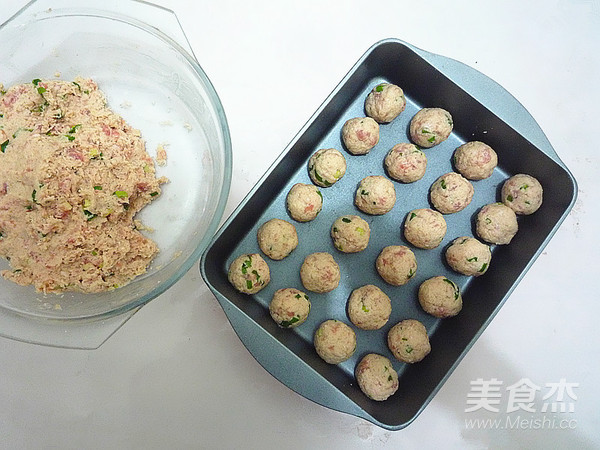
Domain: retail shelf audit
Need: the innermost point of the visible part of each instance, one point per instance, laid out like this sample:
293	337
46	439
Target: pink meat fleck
363	135
485	157
75	154
11	97
143	187
65	185
109	131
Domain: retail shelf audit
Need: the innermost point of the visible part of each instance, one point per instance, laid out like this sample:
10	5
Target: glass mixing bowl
140	58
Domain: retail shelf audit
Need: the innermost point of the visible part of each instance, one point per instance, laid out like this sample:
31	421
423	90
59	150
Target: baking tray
482	110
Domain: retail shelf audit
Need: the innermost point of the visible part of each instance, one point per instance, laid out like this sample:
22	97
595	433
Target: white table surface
177	376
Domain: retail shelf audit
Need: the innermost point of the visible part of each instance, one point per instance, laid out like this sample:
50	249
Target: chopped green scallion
288	323
89	215
257	276
246	264
321	180
3	145
346	220
450	282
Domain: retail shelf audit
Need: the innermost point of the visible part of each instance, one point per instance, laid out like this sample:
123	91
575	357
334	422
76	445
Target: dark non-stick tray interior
424	86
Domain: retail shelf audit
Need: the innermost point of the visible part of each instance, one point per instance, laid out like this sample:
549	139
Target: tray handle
493	96
270	354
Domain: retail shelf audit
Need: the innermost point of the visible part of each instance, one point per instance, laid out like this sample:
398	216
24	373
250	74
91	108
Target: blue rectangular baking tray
482	110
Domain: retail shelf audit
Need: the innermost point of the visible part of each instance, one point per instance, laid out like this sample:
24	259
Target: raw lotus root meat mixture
73	175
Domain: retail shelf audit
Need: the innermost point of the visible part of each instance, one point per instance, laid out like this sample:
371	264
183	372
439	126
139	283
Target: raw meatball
468	256
424	228
440	297
376	377
369	308
335	341
385	102
408	341
360	135
475	160
375	195
451	193
406	163
326	166
497	223
249	273
277	238
320	273
350	234
289	307
522	193
396	264
430	126
304	202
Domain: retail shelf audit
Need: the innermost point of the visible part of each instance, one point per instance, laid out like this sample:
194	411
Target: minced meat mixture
73	175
